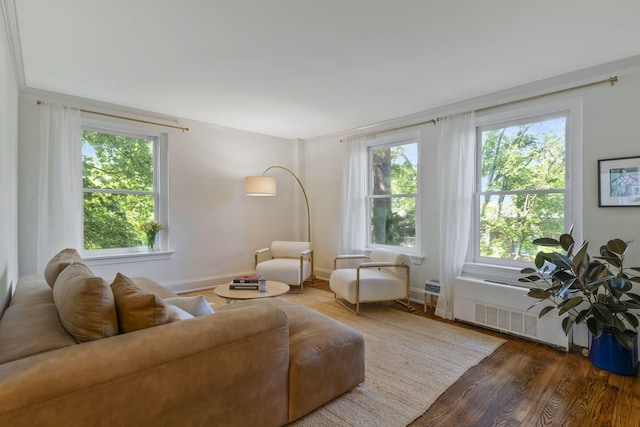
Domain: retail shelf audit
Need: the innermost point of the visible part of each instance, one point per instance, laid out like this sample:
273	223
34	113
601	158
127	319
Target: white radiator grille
505	308
507	320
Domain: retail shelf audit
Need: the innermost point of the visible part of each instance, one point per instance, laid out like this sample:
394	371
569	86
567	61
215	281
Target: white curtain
456	176
353	224
60	182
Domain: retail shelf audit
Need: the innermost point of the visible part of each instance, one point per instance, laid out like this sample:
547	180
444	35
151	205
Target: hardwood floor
528	384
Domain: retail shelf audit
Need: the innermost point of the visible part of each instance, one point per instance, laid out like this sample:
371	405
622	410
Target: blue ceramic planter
607	353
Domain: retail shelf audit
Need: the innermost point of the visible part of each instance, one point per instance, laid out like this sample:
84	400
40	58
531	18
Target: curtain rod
183	129
611	80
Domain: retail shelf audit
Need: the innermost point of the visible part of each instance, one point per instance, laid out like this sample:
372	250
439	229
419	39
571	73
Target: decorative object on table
244	286
592	291
432	286
151	229
247	278
431	290
266	186
619	182
262	285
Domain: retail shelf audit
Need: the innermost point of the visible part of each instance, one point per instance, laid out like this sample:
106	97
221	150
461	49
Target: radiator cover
503	307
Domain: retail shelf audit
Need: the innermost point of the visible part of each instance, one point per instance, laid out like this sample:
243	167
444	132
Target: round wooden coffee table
274	289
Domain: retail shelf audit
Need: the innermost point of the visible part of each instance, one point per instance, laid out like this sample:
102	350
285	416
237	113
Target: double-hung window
122	176
393	193
522	185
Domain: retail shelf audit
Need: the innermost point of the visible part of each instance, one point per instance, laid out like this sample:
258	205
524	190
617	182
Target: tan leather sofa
260	362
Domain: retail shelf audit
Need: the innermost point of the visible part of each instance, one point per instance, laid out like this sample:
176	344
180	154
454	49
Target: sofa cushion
29	329
85	304
32	289
195	305
59	262
326	357
136	308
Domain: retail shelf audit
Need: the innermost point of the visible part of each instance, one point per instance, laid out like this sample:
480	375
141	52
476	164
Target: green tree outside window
522	188
118	182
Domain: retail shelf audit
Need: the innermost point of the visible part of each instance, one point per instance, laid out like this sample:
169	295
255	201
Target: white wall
213	227
8	171
610	130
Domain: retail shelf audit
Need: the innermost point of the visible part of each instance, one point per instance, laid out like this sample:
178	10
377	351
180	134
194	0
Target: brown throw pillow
59	262
85	304
136	308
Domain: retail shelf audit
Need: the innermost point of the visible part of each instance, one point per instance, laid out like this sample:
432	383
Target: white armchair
287	262
384	277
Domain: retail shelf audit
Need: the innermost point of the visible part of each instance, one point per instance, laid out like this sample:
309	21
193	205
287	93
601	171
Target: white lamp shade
260	186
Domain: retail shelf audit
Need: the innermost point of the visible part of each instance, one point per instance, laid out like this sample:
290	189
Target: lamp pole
303	192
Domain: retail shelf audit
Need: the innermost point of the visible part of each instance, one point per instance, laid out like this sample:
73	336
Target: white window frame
160	191
395	139
508	271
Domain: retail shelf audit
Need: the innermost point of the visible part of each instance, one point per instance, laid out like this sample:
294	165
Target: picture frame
619	182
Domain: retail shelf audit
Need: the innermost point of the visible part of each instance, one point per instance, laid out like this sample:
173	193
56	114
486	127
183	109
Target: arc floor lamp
266	186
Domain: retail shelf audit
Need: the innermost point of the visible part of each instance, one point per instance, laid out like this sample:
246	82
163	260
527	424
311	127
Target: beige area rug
409	361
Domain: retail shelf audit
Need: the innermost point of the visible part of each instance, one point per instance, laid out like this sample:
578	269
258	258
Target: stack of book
432	286
248	282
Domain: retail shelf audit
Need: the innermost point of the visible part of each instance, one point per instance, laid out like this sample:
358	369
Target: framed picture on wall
619	182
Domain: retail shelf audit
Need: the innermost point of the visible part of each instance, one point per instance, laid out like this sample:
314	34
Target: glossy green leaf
616	308
565	287
624	339
580	255
620	284
546	241
617	246
566	241
561	261
541	258
563	275
602	314
567	324
571	303
594	272
633	297
631	305
529	279
619	324
538	293
583	315
596	328
631	318
528	270
545	310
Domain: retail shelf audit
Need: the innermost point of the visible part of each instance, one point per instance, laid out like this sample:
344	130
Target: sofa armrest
222	369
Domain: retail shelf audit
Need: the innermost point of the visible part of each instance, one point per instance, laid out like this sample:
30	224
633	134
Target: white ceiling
306	68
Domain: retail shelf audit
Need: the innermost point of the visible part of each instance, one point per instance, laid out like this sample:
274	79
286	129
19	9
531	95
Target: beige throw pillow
85	304
136	308
59	262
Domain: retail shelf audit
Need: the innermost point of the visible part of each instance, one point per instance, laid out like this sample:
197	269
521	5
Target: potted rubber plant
596	291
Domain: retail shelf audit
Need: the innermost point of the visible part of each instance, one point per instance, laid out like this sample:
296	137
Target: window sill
416	259
94	260
494	273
